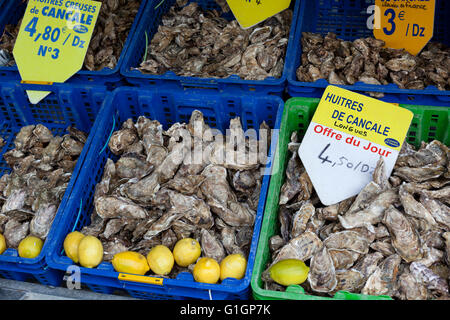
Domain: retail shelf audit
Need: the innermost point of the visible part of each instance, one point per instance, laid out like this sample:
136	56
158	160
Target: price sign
404	23
53	40
251	12
346	137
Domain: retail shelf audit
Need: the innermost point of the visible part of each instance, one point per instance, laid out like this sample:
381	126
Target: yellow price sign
53	40
347	136
251	12
404	23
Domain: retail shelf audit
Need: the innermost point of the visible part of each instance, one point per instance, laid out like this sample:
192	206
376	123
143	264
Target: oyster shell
42	220
405	239
211	246
415	208
322	275
409	288
372	214
15	232
116	207
301	248
424	275
348	240
382	280
349	280
301	218
343	258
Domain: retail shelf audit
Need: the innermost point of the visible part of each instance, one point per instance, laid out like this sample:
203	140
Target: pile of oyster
367	60
393	238
111	31
197	43
187	181
42	165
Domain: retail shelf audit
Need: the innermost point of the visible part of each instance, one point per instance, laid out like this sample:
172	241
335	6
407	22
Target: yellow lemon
2	244
90	252
233	266
160	260
30	247
206	270
186	251
71	243
289	271
130	262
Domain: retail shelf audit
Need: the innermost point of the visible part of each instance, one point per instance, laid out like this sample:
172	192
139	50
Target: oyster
15	232
110	248
348	240
372	214
368	264
42	220
301	248
322	275
116	207
382	280
162	224
301	218
446	236
415	208
276	242
409	288
384	247
211	246
404	237
438	210
424	275
343	258
349	280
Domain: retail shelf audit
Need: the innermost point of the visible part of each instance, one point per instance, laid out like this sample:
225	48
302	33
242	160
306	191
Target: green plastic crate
429	123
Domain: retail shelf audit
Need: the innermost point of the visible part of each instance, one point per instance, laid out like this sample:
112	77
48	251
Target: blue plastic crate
348	19
168	107
151	19
74	105
13	11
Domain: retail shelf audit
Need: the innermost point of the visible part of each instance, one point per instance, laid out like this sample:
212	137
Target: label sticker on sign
53	40
345	139
404	23
251	12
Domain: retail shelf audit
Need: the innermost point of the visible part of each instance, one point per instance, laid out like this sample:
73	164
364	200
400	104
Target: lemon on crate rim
233	266
160	260
30	247
71	243
130	262
206	270
90	252
186	251
2	243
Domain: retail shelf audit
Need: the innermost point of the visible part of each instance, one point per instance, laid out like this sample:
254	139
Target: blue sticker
80	28
392	143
